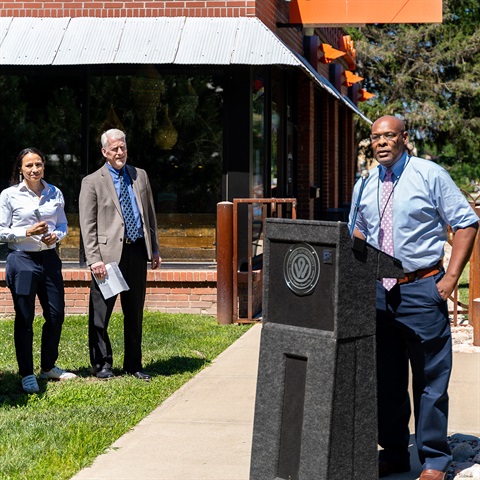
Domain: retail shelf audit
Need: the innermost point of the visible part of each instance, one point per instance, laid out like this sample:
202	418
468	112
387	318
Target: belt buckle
128	241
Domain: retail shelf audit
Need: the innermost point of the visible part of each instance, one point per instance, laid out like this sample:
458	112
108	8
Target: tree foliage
428	74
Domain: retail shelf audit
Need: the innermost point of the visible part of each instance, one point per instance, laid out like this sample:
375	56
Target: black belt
45	251
129	241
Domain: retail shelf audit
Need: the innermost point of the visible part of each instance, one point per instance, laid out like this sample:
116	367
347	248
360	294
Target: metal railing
258	210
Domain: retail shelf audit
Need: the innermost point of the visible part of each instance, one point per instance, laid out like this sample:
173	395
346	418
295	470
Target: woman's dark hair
17	166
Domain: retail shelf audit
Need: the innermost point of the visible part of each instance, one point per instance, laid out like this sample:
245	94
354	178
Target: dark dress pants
413	325
29	274
133	265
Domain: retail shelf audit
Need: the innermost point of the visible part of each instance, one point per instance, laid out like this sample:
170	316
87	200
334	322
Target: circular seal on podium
301	268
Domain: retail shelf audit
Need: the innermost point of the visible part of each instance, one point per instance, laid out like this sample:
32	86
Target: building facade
219	99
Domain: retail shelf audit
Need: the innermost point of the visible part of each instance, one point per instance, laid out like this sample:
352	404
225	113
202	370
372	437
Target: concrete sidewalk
204	430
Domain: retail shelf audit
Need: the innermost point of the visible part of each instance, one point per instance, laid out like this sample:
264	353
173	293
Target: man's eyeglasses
388	136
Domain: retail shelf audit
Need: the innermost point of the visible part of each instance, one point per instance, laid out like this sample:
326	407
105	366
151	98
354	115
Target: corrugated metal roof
231	41
161	40
90	41
4	25
32	41
255	44
207	41
150	40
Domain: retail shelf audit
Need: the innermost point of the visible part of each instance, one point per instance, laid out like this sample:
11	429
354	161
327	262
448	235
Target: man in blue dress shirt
412	316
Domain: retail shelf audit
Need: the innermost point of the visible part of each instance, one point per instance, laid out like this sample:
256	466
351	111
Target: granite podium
315	408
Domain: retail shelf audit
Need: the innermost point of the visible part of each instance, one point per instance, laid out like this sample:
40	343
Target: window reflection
174	126
258	127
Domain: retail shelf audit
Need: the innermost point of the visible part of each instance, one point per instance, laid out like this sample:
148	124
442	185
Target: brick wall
169	291
329	153
271	12
132	8
349	159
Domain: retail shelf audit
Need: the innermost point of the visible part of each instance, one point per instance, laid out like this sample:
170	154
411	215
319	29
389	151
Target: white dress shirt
17	213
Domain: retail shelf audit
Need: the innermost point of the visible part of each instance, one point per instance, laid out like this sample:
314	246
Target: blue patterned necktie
386	224
127	209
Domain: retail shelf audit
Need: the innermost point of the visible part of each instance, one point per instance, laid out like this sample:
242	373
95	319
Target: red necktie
386	223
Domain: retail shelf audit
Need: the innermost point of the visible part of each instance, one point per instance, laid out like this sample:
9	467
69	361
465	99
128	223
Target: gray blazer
101	219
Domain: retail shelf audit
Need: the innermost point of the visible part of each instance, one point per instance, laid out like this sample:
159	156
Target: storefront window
174	127
258	125
276	131
174	130
258	141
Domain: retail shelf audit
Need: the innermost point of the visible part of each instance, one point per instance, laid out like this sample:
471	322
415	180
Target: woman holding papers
32	221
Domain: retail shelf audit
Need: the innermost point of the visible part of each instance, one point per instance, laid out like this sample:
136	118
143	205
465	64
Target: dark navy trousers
29	274
413	326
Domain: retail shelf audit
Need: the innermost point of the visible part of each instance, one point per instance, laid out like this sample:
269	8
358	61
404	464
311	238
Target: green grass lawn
53	434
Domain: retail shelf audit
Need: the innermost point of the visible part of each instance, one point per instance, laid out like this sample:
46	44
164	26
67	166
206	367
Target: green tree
429	74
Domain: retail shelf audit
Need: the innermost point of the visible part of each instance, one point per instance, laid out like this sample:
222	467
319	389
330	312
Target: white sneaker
29	384
57	374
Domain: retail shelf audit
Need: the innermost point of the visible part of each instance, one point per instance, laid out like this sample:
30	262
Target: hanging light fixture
147	87
111	121
167	135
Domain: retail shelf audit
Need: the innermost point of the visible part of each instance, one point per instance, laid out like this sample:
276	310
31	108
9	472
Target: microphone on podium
364	175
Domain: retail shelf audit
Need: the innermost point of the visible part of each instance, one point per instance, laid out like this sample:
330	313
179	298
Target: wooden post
474	288
225	263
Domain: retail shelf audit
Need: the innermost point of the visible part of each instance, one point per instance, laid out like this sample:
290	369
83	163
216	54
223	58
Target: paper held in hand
113	283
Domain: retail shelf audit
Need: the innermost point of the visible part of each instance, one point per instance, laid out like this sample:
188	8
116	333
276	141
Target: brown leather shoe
430	474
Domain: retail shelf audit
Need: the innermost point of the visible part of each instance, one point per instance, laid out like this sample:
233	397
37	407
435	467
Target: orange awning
363	95
357	12
330	53
351	78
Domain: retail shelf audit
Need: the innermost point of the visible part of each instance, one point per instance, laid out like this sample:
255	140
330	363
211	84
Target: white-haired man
118	224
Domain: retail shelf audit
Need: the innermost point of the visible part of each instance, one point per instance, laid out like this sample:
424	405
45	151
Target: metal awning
28	41
356	109
321	80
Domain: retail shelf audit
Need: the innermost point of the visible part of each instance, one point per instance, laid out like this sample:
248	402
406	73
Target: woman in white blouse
32	222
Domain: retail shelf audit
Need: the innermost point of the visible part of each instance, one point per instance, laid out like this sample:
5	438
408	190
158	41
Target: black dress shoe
142	376
386	468
105	374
